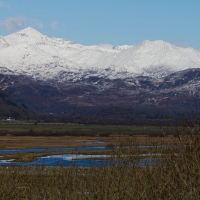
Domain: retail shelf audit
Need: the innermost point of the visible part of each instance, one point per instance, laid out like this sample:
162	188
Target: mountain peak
31	32
155	45
155	42
29	29
27	36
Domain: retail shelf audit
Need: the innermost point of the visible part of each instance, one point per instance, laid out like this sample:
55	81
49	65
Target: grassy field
21	134
35	127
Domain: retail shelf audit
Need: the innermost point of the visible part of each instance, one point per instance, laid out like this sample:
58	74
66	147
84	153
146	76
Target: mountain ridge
42	57
145	81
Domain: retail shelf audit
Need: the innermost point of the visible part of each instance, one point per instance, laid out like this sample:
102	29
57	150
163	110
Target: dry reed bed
176	176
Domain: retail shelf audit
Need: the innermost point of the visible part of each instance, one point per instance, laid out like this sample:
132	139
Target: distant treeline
116	121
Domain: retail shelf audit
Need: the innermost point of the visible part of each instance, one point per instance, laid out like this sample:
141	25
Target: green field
20	126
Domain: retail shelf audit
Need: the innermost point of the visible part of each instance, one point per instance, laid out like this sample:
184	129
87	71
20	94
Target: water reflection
41	150
77	160
61	160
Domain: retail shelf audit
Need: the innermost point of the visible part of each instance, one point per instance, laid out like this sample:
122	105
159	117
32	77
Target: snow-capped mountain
30	53
148	80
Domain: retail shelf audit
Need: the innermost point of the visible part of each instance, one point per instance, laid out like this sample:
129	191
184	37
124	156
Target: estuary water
77	160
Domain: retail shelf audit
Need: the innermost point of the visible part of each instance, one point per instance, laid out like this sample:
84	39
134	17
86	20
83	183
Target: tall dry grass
176	175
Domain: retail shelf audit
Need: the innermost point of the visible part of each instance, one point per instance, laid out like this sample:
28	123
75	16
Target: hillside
10	108
175	96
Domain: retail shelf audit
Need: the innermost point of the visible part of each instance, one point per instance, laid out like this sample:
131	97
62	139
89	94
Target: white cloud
105	46
180	44
35	23
13	24
54	24
1	4
38	24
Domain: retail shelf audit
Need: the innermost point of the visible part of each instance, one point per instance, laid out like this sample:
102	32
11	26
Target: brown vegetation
173	173
175	176
22	142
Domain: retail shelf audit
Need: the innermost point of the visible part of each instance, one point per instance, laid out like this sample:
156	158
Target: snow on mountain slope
30	53
149	57
3	43
122	47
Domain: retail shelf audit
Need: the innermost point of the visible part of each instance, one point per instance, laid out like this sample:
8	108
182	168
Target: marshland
141	162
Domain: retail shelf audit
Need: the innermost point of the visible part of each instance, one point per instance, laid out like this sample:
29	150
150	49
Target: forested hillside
10	108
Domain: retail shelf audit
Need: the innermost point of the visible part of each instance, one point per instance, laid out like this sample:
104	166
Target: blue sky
115	22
